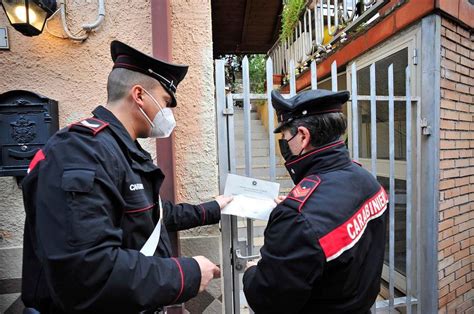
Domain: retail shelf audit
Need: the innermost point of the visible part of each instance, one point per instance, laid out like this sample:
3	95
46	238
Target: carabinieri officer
92	202
324	244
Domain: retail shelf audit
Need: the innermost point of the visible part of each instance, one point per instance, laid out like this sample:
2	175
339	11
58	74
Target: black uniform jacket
324	244
91	201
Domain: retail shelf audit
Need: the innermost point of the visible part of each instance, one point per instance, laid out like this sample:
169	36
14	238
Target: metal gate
373	119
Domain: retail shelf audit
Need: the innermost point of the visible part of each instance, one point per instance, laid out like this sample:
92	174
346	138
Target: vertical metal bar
236	277
314	75
221	125
301	44
232	220
223	155
430	169
409	188
249	236
292	78
373	132
248	141
373	120
391	139
247	125
310	33
346	16
232	224
332	32
418	207
271	120
318	23
355	114
334	76
231	133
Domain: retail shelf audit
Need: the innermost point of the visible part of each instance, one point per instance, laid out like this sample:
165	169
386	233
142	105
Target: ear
137	95
305	137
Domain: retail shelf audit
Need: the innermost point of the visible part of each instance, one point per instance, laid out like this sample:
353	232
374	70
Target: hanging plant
290	17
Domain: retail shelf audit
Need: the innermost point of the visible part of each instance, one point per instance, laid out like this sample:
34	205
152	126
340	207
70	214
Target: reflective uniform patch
348	234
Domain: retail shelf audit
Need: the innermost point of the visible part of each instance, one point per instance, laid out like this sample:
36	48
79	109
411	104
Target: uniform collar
119	131
319	160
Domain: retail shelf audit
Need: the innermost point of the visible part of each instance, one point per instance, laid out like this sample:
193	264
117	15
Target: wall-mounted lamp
29	16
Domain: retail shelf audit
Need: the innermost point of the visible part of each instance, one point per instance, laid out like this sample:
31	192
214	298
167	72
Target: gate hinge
228	112
425	127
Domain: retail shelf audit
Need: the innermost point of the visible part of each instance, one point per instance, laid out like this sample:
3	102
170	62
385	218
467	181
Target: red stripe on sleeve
182	279
36	159
203	213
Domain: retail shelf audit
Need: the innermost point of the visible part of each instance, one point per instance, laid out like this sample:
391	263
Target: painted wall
196	149
75	74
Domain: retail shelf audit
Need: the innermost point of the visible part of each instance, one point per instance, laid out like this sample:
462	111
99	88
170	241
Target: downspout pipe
165	148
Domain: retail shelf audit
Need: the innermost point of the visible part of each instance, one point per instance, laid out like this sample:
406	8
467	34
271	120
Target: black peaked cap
306	103
169	75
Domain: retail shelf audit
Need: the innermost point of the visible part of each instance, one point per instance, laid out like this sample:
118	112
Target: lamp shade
28	16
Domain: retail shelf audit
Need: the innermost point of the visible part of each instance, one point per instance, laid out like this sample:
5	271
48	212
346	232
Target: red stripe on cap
182	279
36	159
348	234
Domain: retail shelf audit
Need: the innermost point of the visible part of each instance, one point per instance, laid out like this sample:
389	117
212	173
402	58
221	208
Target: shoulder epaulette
90	126
302	191
357	163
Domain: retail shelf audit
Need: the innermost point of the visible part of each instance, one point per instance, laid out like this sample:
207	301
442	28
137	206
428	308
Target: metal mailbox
27	121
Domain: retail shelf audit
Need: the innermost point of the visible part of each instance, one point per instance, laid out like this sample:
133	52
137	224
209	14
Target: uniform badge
303	190
89	125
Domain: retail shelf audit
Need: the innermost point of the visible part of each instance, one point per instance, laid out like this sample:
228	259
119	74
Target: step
254	124
260	143
256	151
240	112
254	135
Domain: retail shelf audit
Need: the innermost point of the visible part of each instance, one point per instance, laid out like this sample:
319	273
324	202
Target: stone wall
456	216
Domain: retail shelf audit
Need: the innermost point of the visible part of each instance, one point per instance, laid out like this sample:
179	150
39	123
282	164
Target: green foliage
290	16
257	65
257	72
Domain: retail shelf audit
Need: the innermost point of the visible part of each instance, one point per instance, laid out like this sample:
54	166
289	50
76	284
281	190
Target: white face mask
163	124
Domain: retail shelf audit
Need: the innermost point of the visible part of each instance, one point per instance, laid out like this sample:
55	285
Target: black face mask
285	149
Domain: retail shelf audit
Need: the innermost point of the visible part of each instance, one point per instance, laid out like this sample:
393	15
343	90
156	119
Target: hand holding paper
253	198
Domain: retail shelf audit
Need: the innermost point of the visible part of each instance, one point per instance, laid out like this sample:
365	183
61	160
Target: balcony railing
322	26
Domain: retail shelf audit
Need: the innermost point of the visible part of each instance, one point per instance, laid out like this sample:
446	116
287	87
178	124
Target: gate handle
240	260
250	257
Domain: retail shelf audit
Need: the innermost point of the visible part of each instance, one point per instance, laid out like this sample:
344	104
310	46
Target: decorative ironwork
23	130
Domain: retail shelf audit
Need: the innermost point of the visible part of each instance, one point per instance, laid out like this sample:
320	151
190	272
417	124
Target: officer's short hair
323	128
121	80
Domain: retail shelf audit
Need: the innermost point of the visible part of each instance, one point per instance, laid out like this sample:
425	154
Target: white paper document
253	198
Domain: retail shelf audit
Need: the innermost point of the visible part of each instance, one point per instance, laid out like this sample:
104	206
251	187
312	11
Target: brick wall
456	215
